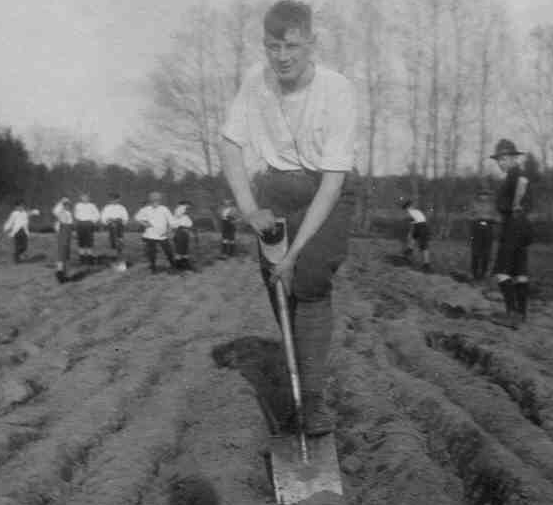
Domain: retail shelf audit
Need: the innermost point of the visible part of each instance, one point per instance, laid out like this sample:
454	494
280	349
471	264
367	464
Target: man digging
300	117
511	266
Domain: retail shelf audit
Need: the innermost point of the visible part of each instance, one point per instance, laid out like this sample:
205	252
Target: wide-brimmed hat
505	147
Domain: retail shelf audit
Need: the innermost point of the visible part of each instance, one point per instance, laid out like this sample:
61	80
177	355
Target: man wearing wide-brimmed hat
513	203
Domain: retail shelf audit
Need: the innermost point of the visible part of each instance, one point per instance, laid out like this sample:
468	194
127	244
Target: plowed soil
132	388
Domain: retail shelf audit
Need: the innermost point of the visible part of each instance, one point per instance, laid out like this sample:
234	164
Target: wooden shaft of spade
286	327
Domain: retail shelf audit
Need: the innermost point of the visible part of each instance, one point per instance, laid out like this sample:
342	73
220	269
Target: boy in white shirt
115	216
182	224
157	220
419	233
17	227
64	229
86	216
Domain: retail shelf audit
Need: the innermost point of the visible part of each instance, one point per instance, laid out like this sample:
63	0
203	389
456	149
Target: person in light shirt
299	117
419	233
115	216
182	224
64	228
17	228
157	221
86	216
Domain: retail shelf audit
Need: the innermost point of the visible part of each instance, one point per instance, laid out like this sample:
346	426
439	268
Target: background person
513	203
17	227
418	233
229	215
64	229
182	224
115	217
157	220
86	216
483	219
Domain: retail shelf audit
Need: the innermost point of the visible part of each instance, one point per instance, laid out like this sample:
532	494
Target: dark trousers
20	244
85	234
481	247
116	233
150	246
289	195
181	241
512	252
64	242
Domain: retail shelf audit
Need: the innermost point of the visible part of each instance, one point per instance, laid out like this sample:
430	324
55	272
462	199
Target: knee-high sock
313	333
508	291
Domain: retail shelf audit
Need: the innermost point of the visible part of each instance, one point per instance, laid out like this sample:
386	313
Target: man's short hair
115	196
185	202
285	15
19	202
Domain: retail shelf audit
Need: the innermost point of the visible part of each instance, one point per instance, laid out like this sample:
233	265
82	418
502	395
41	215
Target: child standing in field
157	220
229	214
481	233
17	227
86	216
419	233
182	224
64	229
115	216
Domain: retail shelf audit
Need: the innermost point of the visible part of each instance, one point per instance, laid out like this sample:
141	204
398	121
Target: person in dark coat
513	203
483	219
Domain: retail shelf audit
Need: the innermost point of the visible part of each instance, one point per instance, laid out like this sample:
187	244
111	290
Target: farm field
132	388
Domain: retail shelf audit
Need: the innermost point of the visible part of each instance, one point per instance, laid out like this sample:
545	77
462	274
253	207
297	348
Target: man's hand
285	272
261	220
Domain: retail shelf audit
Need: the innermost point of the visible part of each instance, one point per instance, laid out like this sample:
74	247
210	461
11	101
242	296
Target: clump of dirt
193	490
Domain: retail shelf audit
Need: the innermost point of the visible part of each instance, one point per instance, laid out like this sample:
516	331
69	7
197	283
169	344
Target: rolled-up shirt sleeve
339	143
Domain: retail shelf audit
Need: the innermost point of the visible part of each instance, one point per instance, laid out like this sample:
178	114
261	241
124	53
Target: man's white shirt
160	221
320	120
86	211
114	211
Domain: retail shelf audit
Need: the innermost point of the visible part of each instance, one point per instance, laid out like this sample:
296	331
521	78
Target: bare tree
534	99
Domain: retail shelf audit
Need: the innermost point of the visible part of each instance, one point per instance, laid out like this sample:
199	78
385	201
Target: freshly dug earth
131	388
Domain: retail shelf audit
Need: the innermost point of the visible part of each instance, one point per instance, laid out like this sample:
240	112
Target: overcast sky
79	65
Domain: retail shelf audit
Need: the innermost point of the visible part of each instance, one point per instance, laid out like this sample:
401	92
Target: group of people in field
300	119
162	229
507	212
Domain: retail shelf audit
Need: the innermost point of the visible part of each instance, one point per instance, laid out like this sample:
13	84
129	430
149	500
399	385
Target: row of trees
41	186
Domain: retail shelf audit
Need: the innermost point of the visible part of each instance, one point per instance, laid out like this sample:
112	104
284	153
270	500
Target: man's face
85	198
507	161
289	57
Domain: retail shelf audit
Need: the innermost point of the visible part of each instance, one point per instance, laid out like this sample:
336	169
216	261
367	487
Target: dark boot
508	291
60	276
83	259
521	296
510	319
231	249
